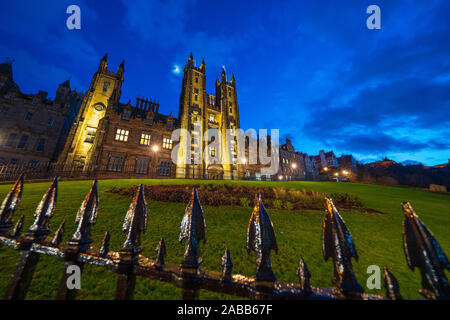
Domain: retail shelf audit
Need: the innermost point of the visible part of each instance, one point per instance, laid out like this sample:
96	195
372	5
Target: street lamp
155	149
325	168
244	160
294	165
280	177
345	172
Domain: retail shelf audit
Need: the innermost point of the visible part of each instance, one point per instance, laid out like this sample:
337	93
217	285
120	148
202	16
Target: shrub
278	204
245	202
288	205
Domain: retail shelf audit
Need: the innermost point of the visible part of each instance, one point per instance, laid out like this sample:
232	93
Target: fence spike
192	230
261	239
423	251
160	253
227	265
59	234
135	222
338	244
10	204
104	249
391	285
304	275
45	211
86	217
18	227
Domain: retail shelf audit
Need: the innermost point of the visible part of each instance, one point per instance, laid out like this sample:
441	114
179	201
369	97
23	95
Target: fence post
261	239
135	223
80	242
21	279
337	243
192	231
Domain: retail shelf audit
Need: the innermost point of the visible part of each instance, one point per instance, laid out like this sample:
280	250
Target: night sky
310	68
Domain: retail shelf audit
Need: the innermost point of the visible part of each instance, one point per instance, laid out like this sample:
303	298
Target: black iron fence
421	248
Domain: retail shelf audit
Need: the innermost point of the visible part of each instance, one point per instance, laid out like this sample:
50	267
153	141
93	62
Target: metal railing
421	249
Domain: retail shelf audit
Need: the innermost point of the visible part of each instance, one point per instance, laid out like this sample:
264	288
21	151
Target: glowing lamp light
155	148
336	174
325	168
345	172
294	165
244	160
280	177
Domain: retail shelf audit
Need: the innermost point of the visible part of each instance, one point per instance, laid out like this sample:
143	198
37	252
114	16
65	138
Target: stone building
33	127
114	138
219	111
325	159
292	164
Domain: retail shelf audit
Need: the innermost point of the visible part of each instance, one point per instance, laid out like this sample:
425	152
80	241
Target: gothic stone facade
33	128
113	138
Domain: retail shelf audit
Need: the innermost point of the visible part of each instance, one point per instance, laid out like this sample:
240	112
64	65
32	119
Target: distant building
33	128
325	159
292	165
347	161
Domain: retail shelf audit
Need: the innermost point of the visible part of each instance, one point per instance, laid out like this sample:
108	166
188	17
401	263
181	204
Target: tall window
41	145
22	142
11	140
90	134
50	121
28	116
145	139
141	166
105	86
212	118
122	135
115	164
164	168
167	143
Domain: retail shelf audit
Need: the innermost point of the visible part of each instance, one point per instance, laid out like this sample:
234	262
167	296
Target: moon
176	69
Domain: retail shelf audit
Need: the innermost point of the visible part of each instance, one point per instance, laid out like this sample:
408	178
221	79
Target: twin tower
219	111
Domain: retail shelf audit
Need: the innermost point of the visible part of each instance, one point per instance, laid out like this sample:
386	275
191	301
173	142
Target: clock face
99	107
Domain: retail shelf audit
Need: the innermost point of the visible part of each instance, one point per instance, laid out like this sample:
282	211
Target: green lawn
378	237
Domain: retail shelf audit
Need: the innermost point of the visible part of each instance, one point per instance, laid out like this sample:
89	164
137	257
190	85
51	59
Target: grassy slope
377	236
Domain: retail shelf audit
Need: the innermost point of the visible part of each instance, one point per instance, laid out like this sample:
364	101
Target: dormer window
126	115
149	120
169	125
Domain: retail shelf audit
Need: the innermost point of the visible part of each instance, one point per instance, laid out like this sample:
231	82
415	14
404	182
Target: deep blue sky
310	68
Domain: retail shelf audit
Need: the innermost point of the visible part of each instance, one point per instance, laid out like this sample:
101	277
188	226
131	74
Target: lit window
22	142
122	135
115	164
145	139
167	143
212	118
90	134
40	145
